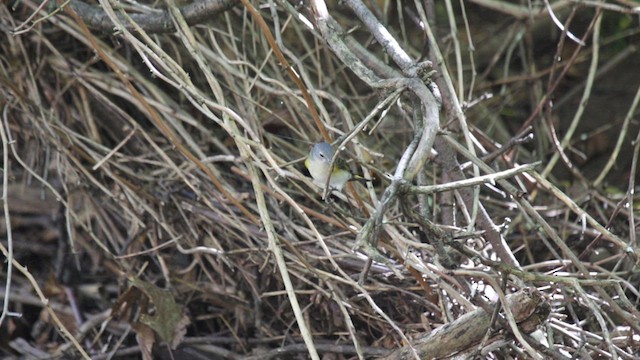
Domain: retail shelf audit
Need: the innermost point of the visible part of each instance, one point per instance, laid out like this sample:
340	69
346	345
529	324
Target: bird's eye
321	155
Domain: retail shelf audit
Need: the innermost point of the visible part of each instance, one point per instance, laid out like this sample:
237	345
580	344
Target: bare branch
196	12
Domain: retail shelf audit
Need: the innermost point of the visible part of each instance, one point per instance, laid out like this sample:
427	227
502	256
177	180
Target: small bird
319	165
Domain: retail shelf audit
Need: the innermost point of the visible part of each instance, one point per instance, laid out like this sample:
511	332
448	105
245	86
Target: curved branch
528	307
195	12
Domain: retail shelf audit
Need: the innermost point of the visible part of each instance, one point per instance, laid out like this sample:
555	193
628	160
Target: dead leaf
157	310
145	338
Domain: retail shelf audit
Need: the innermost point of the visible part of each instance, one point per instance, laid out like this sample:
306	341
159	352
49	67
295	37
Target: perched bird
319	165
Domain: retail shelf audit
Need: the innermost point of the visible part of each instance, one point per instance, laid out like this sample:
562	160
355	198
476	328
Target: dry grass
134	158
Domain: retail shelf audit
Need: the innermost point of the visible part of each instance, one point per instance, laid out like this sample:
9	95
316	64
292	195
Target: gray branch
527	305
195	12
358	60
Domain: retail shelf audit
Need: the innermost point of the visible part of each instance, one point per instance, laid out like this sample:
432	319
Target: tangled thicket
156	203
